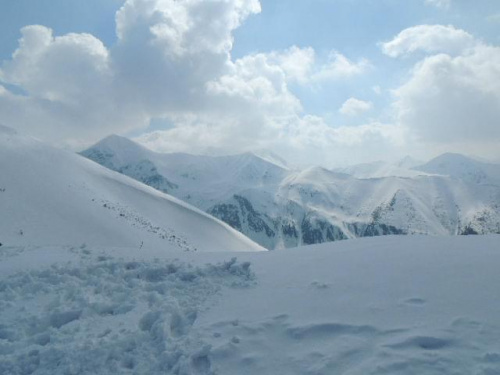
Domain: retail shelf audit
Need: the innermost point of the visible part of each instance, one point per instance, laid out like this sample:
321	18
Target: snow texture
108	316
387	305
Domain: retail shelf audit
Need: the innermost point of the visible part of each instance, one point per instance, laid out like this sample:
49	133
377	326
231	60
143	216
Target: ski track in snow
109	316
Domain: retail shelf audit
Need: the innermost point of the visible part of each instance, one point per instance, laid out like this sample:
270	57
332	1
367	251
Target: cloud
302	140
429	39
302	65
338	66
454	100
77	90
297	63
355	107
172	61
444	4
68	86
181	28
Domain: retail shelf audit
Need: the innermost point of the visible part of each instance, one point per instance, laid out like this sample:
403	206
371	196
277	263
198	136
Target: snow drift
377	306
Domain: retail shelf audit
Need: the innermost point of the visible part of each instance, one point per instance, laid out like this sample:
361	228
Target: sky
328	82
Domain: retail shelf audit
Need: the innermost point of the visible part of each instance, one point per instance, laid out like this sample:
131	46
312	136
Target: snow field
376	306
103	315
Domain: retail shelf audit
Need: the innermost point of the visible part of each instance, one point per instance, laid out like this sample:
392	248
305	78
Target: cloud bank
452	96
172	62
429	39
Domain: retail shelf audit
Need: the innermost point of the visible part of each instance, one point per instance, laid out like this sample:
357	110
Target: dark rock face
310	229
289	230
100	157
228	213
240	213
373	229
252	217
145	171
318	231
468	231
310	234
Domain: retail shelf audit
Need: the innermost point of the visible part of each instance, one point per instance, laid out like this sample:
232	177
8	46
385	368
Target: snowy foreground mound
391	305
53	197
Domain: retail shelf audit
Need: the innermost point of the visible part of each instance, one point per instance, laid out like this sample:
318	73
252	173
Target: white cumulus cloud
355	107
339	66
454	99
172	61
429	39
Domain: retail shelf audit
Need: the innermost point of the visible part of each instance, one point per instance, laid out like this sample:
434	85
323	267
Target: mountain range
281	207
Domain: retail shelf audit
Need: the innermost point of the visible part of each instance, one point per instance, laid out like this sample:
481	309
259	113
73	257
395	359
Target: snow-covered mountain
278	207
87	284
53	197
378	169
462	168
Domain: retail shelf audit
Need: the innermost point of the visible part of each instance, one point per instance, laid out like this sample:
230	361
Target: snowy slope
463	168
379	306
379	169
279	208
52	197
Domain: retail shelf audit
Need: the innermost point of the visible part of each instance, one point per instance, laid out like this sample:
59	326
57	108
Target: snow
463	168
279	207
53	197
386	305
380	169
218	177
100	274
105	315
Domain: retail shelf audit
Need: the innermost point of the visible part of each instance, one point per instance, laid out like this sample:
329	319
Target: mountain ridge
281	208
54	197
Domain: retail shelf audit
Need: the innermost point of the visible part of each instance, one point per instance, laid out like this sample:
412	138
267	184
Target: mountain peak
462	167
115	141
116	150
271	157
449	160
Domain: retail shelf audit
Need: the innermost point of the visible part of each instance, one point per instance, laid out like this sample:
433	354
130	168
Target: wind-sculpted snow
379	306
103	315
463	168
340	348
376	306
